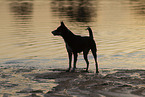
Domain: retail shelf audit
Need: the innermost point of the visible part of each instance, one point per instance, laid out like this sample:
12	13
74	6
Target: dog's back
79	43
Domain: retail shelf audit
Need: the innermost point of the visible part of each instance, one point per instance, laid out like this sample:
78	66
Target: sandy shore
58	83
119	83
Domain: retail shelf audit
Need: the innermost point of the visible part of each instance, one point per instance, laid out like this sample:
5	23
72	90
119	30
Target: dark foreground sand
58	83
118	83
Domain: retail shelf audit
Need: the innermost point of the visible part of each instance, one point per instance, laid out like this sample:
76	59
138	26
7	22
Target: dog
76	44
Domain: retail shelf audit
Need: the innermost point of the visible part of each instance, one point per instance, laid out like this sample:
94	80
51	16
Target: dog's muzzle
55	33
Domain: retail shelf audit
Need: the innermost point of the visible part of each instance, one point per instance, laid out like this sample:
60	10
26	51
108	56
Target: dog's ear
88	27
62	23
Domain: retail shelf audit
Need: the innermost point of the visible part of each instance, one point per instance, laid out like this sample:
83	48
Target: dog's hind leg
85	53
95	57
75	61
70	60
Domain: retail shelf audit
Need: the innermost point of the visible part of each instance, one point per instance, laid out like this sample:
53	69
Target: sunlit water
26	40
118	27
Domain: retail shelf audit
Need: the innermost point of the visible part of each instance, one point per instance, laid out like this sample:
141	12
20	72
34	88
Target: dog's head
88	28
60	30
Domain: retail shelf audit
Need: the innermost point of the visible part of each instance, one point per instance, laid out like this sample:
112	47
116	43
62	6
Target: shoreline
123	83
58	83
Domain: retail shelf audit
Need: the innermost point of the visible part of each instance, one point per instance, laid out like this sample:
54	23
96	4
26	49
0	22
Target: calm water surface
26	25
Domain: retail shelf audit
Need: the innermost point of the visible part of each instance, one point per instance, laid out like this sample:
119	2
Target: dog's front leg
70	60
75	61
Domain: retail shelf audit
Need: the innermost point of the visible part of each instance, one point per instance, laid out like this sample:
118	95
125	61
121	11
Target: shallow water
26	41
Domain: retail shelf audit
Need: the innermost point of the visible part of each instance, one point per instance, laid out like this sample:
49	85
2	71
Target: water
118	26
26	40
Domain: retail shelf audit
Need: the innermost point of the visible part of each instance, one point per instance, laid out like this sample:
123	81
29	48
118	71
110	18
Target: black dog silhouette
76	44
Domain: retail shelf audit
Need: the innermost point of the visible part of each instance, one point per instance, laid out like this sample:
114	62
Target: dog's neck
68	36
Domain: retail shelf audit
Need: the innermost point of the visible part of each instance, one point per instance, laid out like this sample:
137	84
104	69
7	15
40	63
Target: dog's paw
68	70
97	72
86	71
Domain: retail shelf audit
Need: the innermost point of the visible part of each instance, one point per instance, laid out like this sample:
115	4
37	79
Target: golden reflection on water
25	29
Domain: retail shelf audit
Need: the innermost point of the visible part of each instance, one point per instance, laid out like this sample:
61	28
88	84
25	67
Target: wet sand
120	83
58	83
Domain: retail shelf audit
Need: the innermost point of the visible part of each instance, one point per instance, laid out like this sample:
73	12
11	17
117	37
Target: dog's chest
69	48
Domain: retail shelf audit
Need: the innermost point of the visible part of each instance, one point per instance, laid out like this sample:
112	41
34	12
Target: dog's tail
90	32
